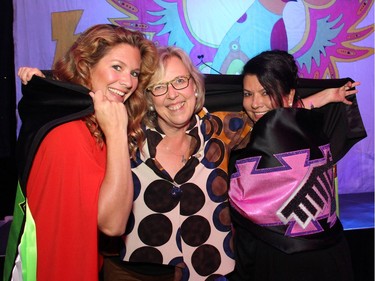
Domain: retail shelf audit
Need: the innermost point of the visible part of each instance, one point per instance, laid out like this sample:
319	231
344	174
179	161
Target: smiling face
256	100
176	107
116	74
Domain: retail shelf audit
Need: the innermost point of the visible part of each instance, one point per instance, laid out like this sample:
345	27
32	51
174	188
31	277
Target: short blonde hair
164	54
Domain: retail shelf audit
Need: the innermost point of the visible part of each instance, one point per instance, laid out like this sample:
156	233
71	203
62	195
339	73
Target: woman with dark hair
282	183
76	178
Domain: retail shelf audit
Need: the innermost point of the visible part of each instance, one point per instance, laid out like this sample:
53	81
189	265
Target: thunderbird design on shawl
298	193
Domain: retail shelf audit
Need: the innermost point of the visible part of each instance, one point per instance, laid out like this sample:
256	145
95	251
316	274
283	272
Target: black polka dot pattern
206	260
195	230
130	225
146	254
157	196
194	199
155	230
185	221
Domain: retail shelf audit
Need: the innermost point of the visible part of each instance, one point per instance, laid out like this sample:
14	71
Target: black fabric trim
44	105
286	244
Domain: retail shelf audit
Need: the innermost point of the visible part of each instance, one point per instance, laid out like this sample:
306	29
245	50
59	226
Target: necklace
183	159
169	150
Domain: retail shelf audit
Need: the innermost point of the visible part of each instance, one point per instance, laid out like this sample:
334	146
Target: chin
118	99
253	117
125	99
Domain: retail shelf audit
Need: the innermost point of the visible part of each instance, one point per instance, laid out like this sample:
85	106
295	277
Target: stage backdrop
329	39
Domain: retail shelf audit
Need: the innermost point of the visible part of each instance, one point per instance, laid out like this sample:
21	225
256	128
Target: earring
151	108
290	104
196	94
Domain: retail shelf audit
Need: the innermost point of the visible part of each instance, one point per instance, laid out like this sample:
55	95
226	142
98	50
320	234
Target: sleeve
343	123
343	126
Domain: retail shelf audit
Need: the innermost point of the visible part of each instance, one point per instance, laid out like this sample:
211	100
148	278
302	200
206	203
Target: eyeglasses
178	83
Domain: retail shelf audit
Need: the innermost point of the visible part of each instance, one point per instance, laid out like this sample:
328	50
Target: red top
62	192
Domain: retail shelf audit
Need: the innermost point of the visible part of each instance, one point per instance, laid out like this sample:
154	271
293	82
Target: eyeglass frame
148	89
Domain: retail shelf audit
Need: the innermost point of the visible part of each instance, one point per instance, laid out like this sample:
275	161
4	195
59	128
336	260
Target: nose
172	92
257	101
126	80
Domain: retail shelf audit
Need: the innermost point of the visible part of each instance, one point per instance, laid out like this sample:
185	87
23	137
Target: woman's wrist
317	100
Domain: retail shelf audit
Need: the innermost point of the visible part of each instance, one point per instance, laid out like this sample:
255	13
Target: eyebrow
250	91
181	75
124	63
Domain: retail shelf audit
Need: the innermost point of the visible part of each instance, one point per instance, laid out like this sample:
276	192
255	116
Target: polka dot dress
184	221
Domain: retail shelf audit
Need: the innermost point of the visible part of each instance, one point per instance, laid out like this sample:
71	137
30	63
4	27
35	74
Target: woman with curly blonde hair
84	54
78	179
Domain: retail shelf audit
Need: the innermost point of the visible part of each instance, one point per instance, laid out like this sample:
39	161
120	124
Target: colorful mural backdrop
329	39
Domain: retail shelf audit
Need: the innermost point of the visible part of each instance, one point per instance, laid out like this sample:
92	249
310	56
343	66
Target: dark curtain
225	93
8	174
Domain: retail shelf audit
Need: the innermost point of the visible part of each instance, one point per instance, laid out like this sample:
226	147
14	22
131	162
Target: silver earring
196	94
151	108
290	104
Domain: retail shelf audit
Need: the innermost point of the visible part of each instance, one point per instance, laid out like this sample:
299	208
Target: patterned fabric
283	199
296	194
283	180
185	220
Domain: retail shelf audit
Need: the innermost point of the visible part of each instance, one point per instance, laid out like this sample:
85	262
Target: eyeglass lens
178	83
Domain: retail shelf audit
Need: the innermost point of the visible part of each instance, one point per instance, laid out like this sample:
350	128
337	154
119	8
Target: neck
173	131
177	145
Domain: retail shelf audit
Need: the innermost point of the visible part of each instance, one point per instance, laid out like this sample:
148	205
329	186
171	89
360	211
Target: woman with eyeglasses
180	226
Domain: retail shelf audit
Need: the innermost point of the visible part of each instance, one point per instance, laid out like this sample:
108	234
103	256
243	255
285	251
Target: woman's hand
111	116
25	73
340	94
329	95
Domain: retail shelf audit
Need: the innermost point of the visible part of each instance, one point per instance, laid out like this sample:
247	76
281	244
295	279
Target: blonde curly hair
91	46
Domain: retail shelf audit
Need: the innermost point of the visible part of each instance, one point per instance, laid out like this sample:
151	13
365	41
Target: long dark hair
276	71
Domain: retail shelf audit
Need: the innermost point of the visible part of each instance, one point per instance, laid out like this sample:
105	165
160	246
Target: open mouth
116	92
259	114
176	106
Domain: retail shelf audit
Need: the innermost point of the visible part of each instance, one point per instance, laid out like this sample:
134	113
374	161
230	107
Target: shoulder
236	118
231	128
233	121
76	127
68	136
